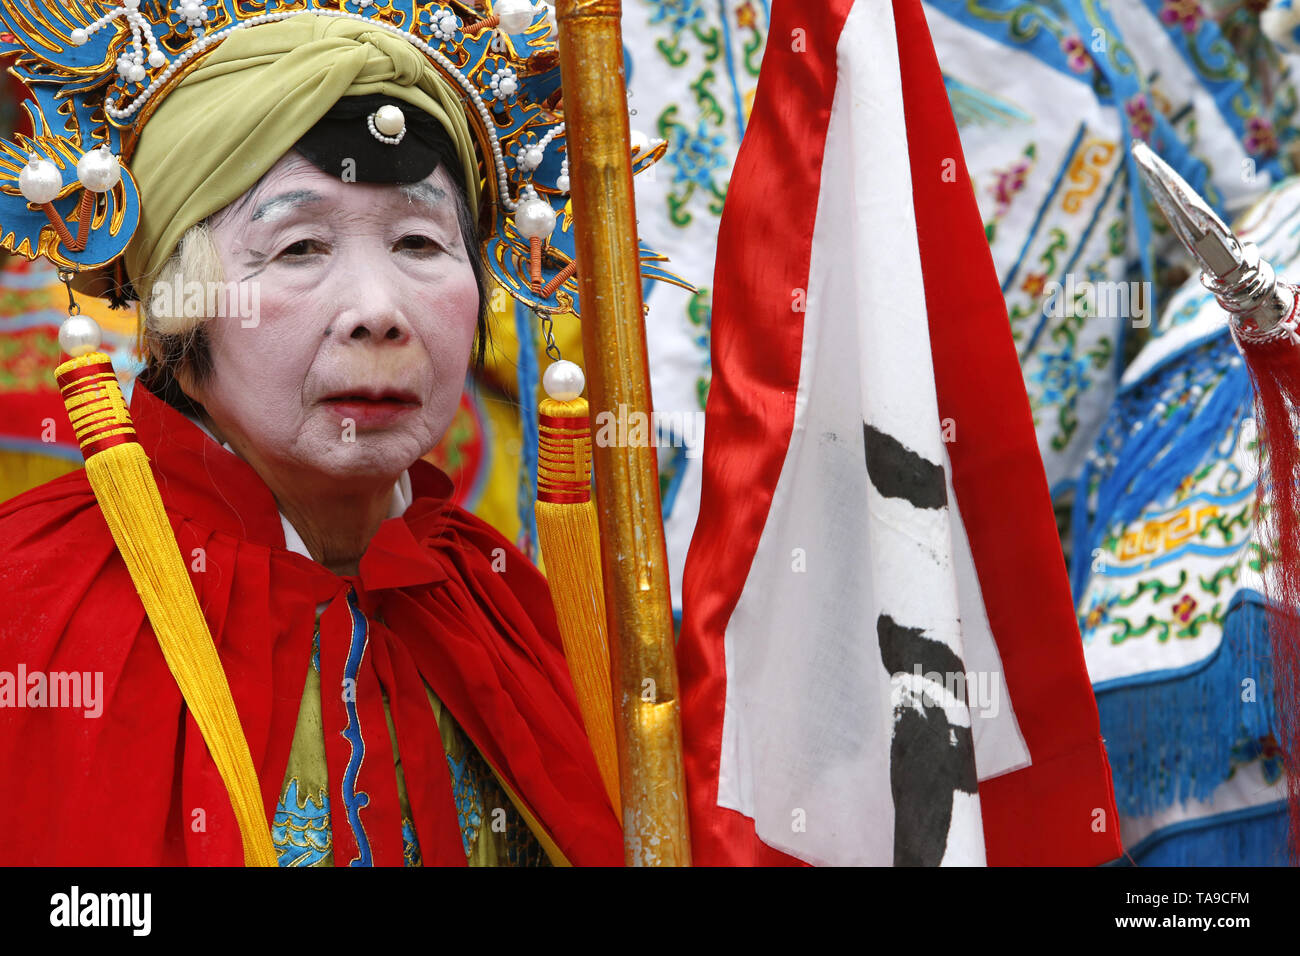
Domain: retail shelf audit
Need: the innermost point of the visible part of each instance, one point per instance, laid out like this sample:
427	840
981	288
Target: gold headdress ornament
100	70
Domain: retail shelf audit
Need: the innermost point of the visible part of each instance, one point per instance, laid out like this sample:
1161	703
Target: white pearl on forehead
390	120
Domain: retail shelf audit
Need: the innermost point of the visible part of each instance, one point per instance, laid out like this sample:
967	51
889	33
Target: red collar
203	481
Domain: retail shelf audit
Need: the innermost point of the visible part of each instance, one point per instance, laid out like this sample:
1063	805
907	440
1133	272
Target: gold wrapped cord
119	473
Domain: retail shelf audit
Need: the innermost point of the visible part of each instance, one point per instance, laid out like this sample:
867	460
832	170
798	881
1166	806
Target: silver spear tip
1210	242
1243	283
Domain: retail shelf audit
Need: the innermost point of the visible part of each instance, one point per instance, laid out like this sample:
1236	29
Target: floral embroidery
1186	12
1261	139
1076	54
1141	122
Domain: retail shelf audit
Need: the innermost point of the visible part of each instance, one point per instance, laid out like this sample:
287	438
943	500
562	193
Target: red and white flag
880	661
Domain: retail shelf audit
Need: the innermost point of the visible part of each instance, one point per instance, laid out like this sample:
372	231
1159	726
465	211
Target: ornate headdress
98	69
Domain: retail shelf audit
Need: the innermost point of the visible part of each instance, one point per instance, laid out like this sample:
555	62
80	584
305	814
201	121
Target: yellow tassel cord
570	538
119	473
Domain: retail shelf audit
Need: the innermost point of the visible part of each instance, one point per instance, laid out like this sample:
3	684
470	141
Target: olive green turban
232	118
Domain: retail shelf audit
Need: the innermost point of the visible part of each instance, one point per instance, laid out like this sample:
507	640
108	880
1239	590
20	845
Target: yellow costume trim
128	496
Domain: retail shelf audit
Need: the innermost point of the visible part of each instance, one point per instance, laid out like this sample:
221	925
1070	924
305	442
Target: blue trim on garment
1039	42
354	801
1259	834
1187	670
1178	733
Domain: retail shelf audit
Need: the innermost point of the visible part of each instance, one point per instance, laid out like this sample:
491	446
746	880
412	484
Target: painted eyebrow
277	206
425	193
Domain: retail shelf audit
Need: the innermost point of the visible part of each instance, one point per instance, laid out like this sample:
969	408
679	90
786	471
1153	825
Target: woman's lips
372	409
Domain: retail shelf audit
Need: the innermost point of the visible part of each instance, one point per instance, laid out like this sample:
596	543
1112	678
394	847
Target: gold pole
633	557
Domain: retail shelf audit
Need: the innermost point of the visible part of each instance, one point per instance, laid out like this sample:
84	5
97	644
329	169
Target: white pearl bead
390	120
99	170
131	4
79	37
535	219
516	15
508	86
79	335
40	181
157	59
564	380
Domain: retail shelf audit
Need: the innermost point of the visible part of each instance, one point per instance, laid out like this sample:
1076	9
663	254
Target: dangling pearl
535	219
157	59
564	380
516	15
390	120
79	335
562	184
99	170
40	180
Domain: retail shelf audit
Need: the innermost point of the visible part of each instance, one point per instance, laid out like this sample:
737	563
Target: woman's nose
374	314
388	326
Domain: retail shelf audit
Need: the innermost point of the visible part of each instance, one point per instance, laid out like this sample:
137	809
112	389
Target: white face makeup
367	311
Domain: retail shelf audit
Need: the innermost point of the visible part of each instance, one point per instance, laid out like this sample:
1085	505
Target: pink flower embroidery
1140	121
1186	12
1010	181
1076	54
1261	140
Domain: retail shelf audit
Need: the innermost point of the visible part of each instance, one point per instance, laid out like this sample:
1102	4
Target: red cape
126	787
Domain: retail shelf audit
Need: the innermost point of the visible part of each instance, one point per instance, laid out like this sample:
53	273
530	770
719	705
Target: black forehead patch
342	145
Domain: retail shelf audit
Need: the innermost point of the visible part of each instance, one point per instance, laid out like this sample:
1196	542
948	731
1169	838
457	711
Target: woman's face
354	363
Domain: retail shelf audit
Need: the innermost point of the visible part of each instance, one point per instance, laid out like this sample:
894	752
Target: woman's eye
301	248
418	243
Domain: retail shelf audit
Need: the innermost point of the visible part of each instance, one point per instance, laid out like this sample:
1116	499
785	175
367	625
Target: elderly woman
394	662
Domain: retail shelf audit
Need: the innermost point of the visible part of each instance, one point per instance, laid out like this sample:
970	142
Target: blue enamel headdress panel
98	68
